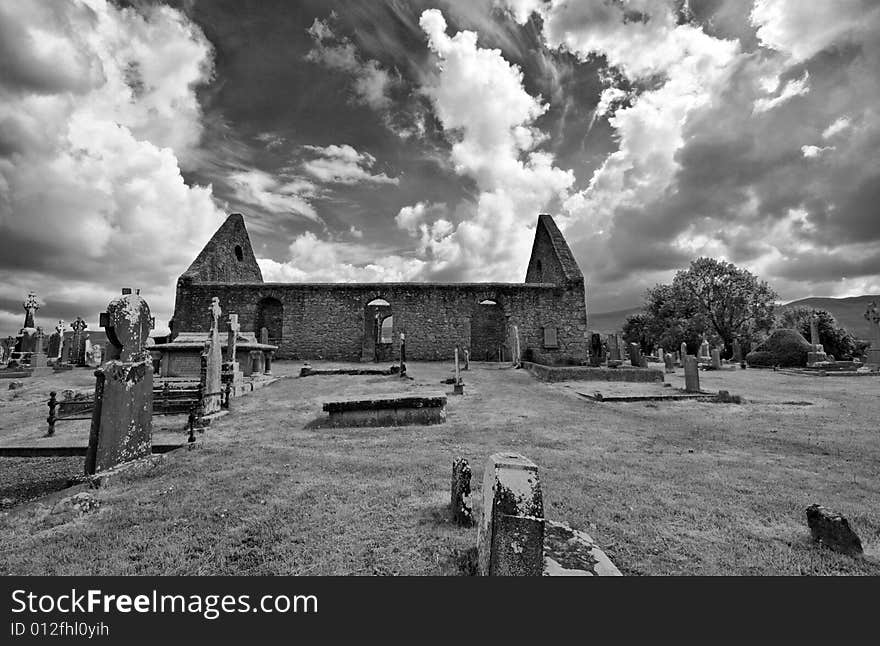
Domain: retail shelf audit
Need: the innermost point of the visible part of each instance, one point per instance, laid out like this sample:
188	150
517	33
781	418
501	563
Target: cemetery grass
664	488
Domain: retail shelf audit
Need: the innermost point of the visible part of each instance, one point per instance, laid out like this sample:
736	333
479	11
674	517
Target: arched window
387	327
239	253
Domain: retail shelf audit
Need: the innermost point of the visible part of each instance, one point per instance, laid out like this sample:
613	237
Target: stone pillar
212	365
510	538
123	415
691	374
635	355
814	331
716	359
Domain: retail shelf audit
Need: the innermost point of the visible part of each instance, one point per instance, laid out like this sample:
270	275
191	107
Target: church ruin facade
364	321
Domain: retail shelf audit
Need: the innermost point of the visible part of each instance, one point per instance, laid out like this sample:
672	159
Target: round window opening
239	254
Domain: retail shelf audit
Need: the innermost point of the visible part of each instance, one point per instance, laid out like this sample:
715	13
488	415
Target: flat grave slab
634	392
395	409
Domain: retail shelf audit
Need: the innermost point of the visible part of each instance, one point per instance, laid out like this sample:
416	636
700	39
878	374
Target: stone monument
77	355
817	353
212	364
691	374
872	315
635	355
123	414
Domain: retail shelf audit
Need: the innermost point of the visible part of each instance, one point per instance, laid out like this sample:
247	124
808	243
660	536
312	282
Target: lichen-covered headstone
635	355
462	513
123	415
613	348
832	530
510	538
669	363
704	351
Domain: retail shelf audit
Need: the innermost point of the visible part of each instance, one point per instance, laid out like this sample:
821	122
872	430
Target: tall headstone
596	350
716	359
123	415
232	339
635	355
613	348
78	343
691	374
510	537
458	386
704	351
872	315
38	358
670	363
212	365
682	352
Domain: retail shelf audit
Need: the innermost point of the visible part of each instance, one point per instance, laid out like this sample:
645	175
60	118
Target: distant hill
849	312
609	322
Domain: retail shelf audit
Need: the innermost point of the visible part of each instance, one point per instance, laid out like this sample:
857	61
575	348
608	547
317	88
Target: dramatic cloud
344	165
98	113
264	191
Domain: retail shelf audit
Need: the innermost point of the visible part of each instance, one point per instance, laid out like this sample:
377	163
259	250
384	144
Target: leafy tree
836	339
712	299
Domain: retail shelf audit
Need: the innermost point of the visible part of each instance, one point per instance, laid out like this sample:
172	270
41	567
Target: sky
418	140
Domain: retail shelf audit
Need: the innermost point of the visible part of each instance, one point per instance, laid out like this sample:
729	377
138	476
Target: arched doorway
270	315
378	331
488	331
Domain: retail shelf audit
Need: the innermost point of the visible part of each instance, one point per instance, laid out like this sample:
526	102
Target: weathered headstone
232	339
467	359
704	351
832	530
691	374
39	360
872	315
716	359
596	350
613	348
77	354
635	355
682	353
510	538
670	363
122	417
212	365
462	512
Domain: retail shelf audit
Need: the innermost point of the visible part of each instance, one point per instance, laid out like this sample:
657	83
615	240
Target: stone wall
326	321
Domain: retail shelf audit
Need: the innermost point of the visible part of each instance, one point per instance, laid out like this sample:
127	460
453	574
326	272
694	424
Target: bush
785	348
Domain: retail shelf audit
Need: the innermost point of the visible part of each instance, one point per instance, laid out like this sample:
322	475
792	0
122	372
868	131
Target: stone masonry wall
326	321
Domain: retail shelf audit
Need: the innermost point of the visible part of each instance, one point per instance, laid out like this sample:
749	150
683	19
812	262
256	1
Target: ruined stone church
364	321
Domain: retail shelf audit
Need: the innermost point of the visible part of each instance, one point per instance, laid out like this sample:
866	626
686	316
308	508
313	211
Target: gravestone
462	512
231	373
737	352
122	418
613	348
872	315
691	374
212	365
510	537
77	354
402	355
670	364
517	348
467	359
39	360
832	530
716	359
635	355
232	339
704	352
682	353
596	350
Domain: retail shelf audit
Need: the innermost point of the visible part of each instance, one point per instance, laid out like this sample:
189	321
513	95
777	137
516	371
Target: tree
836	340
635	330
711	299
732	301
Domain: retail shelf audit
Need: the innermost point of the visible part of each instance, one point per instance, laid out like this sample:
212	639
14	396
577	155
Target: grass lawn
664	487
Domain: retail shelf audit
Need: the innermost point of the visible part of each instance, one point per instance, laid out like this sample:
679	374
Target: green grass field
664	488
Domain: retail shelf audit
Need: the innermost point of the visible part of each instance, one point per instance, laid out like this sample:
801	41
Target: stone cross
215	314
77	346
232	341
60	329
31	305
